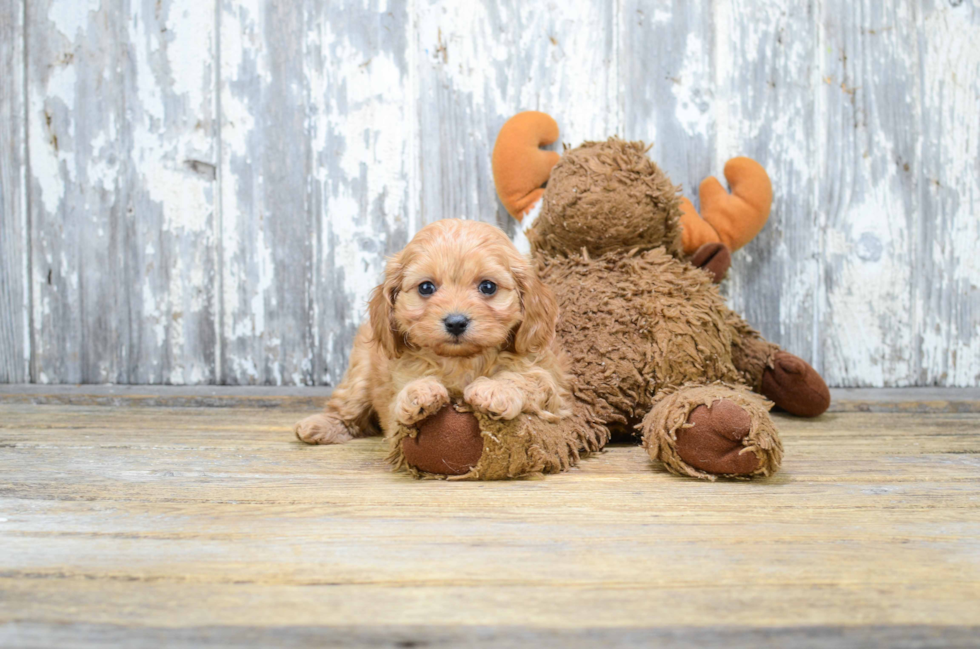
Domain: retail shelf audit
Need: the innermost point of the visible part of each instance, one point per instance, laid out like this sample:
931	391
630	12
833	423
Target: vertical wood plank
764	103
15	346
868	169
948	240
666	81
122	173
481	62
363	130
267	240
345	128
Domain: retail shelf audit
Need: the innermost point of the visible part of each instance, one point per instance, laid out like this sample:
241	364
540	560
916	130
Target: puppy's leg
499	397
322	429
348	413
508	394
419	399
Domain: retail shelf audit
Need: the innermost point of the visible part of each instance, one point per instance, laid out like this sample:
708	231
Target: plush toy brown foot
713	443
713	430
461	445
447	443
794	386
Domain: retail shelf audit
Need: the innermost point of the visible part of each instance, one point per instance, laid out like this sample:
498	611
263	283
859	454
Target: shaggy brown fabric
671	417
650	341
634	324
794	386
448	442
715	258
638	321
517	448
606	196
751	354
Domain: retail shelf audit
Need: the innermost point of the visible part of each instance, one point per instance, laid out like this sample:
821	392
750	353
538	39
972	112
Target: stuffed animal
652	347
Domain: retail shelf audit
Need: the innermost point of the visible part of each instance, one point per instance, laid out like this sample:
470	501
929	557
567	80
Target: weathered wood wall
203	191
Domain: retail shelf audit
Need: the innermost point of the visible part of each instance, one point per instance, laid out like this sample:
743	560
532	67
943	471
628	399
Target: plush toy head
603	196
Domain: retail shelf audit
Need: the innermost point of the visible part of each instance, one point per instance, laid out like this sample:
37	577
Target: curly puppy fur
407	362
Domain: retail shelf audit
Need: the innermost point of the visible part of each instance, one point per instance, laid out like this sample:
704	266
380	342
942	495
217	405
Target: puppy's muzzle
456	324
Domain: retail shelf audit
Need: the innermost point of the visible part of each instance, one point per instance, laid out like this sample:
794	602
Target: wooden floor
214	527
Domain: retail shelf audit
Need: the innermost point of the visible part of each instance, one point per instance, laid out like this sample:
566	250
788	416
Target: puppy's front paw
321	429
498	399
419	399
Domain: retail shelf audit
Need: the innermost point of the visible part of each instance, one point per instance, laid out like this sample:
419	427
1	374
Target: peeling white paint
72	16
371	163
867	268
692	93
51	152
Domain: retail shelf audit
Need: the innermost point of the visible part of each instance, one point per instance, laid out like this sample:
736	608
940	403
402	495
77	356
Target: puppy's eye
427	288
487	287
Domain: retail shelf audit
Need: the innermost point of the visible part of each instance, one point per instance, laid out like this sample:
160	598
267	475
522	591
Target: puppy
461	314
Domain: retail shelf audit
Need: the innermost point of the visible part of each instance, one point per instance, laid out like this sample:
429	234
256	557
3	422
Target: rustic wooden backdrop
203	191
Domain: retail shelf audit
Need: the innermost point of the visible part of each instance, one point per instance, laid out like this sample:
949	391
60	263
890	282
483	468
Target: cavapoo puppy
461	314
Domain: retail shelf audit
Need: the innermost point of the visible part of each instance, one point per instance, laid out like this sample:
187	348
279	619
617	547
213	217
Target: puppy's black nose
456	323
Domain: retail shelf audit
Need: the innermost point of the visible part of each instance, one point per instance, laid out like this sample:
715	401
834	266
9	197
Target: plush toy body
652	347
650	339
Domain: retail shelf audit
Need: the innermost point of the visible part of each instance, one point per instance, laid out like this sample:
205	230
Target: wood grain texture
15	338
765	86
666	82
482	62
136	519
213	186
906	636
121	112
948	272
360	70
266	221
317	166
870	213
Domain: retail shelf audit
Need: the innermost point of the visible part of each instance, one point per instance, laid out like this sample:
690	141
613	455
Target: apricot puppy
461	315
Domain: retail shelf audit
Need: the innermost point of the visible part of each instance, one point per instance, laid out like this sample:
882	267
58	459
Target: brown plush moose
652	347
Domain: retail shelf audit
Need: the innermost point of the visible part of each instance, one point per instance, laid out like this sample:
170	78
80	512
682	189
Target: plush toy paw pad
448	443
714	442
795	387
715	258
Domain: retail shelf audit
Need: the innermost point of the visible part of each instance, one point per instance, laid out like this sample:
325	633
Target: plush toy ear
520	167
732	219
381	310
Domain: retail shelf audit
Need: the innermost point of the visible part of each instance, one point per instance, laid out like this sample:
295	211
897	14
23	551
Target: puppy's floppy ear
540	309
381	310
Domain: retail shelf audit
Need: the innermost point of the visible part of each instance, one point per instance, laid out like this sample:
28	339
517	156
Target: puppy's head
460	288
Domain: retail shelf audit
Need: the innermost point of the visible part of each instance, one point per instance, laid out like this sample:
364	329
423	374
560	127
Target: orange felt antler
520	167
733	219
